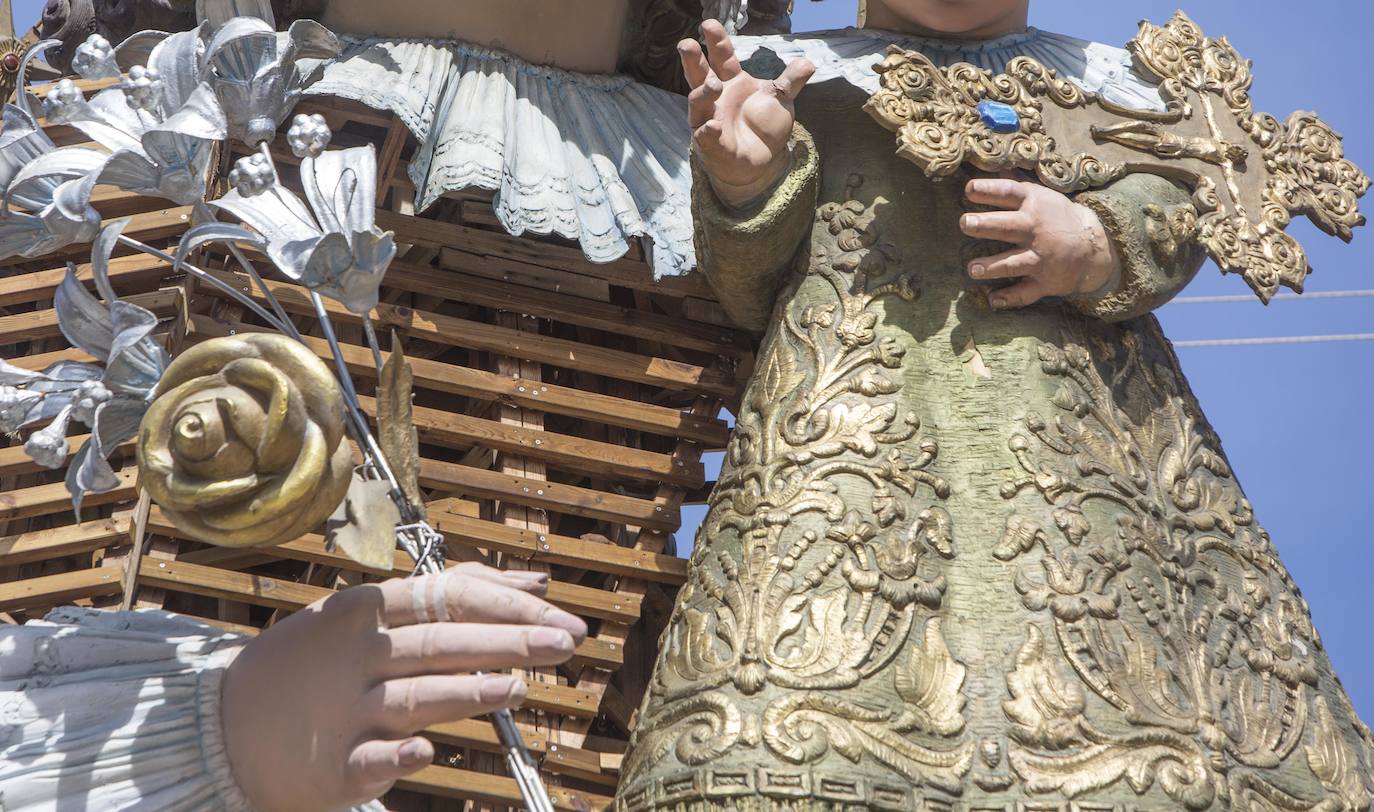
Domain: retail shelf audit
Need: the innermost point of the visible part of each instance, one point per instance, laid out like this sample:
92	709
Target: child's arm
1150	221
745	253
1115	253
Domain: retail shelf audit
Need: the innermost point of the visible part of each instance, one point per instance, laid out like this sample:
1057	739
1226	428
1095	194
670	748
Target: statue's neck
880	16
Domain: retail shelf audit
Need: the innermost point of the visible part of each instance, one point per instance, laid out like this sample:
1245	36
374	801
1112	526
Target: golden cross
1249	172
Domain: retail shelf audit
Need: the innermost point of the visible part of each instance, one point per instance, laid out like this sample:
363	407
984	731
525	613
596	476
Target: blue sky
1294	419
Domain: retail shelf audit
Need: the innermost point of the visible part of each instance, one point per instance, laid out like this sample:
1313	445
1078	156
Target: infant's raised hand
740	124
1062	248
320	711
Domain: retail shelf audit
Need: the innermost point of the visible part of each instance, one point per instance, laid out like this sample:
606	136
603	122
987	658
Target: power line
1258	342
1240	298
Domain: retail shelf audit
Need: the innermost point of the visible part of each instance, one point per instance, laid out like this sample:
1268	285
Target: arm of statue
745	253
754	174
112	710
1150	221
1114	253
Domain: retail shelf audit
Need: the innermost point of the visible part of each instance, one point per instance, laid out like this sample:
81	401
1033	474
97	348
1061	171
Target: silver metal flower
46	194
95	59
256	71
110	396
309	136
252	175
333	246
161	124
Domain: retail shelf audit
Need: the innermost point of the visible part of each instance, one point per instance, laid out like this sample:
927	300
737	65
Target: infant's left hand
1061	249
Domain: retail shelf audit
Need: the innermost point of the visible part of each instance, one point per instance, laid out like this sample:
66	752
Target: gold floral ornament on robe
244	444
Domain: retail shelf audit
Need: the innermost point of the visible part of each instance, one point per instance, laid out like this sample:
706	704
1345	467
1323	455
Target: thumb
375	765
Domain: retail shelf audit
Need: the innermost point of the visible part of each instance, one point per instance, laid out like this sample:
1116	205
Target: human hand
1062	248
320	711
740	124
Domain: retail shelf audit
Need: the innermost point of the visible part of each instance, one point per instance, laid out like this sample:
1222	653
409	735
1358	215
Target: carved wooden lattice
578	397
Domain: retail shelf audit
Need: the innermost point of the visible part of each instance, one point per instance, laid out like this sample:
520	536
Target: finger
701	102
1006	265
794	78
1022	294
531	581
999	192
720	51
694	65
707	138
403	706
461	597
1003	226
449	648
374	766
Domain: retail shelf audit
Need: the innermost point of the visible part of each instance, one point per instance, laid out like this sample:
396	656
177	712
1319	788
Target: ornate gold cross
1249	172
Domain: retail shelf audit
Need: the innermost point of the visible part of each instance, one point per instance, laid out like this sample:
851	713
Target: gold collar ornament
1249	172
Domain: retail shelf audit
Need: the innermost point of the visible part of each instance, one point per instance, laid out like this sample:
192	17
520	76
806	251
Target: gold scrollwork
833	610
1180	617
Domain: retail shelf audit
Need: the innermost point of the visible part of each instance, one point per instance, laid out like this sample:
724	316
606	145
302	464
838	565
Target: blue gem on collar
1000	118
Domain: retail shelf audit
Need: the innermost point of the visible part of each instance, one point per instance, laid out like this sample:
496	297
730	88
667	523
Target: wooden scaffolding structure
563	409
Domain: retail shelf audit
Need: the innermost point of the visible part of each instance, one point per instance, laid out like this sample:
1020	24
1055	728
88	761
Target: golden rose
244	444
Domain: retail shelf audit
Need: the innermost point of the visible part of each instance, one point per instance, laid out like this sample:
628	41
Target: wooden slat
43	500
562	451
449	782
456	332
40	285
559	758
54	590
43	323
479	483
59	542
629	273
482	385
515	298
563	550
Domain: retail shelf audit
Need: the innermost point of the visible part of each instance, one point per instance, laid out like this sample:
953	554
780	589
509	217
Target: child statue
974	545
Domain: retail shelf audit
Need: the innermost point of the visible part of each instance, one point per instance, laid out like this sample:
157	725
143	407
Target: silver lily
161	123
46	198
255	70
332	246
110	396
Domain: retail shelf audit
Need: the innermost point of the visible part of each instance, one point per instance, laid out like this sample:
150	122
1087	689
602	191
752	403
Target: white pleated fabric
115	711
598	159
850	54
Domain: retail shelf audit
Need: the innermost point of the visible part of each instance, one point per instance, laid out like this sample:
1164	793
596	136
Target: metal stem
210	279
242	259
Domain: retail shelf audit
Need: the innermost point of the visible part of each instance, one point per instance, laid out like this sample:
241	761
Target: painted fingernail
413	752
552	640
970	221
998	302
502	690
525	577
977	270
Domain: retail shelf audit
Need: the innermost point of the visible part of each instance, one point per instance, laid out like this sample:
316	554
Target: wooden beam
40	324
455	332
564	451
42	285
59	542
42	500
54	590
482	385
479	483
561	550
449	782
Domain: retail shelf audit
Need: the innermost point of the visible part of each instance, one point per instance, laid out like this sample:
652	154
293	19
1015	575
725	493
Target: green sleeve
1151	222
746	253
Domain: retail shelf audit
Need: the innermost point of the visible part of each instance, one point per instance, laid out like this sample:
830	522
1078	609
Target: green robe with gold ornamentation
961	559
